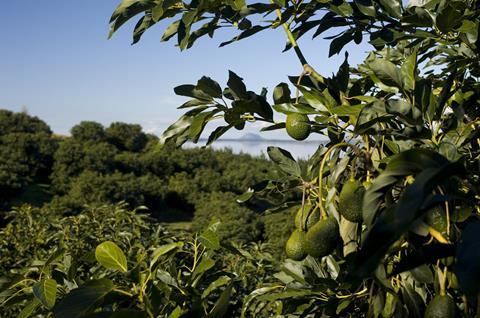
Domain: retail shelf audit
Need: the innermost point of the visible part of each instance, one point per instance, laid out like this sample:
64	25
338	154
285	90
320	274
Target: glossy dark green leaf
366	7
118	314
386	72
219	282
393	7
448	18
128	9
198	124
288	108
209	87
413	301
46	292
408	71
209	238
192	91
418	17
422	274
284	160
110	256
142	25
273	127
400	165
397	219
29	308
245	34
341	79
221	305
217	133
236	85
82	300
255	104
338	43
171	30
281	94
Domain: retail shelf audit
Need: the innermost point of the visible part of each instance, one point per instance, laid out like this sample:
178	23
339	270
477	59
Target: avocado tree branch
307	69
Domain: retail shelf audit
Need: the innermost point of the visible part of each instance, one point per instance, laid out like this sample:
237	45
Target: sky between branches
56	62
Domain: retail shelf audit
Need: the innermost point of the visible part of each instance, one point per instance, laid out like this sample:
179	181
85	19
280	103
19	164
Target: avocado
350	200
298	126
322	238
437	219
441	306
295	247
310	217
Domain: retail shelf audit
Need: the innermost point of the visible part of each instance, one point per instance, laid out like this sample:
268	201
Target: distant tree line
98	165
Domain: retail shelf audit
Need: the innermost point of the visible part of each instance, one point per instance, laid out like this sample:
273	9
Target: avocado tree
388	218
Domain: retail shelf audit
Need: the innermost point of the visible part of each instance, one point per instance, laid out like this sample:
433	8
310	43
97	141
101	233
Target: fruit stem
367	145
302	225
447	212
442	279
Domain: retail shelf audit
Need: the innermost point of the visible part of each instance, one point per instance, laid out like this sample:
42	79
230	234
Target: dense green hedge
98	165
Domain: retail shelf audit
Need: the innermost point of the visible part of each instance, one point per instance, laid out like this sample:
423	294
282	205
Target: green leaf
198	124
205	264
408	71
236	85
396	220
110	256
82	300
209	237
221	281
164	249
281	94
288	108
418	17
338	43
422	274
209	87
284	160
142	25
257	292
192	91
221	305
29	309
386	72
393	7
217	133
448	18
467	268
46	292
353	111
400	165
413	301
245	34
316	100
118	314
126	10
366	7
171	30
289	293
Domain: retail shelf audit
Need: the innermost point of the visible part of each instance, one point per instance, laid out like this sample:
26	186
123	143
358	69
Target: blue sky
56	61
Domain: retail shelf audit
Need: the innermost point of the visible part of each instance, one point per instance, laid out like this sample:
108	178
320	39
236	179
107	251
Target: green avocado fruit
298	126
441	307
350	200
322	238
306	219
437	219
295	247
